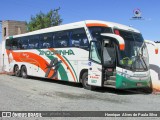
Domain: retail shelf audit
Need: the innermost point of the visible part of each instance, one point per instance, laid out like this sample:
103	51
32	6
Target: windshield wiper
144	62
139	54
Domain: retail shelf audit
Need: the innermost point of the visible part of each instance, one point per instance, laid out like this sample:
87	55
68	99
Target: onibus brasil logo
137	14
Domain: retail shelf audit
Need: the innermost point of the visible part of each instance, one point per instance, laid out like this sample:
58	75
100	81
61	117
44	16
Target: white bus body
77	52
154	60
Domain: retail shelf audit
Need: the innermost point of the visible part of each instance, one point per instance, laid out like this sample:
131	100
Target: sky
119	11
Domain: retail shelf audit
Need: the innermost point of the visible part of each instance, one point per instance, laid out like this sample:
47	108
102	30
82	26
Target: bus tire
24	72
85	82
17	71
149	89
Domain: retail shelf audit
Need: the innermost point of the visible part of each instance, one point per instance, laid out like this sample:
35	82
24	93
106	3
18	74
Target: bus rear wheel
24	72
17	71
85	82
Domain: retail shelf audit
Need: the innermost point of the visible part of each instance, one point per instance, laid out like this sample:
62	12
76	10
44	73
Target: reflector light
156	51
121	46
117	32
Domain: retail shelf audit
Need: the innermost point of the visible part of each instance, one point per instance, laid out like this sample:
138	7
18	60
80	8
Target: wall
13	28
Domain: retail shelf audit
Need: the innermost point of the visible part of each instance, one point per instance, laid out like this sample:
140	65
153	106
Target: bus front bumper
125	83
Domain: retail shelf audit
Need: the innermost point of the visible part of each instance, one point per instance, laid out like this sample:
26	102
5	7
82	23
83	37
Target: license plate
139	84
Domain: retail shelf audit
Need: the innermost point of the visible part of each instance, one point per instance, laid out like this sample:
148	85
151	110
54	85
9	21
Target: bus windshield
96	32
135	55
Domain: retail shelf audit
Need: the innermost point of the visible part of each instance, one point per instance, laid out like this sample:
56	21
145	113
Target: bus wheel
85	82
17	71
24	72
149	89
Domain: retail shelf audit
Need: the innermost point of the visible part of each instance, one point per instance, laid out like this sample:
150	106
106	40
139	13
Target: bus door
95	65
109	54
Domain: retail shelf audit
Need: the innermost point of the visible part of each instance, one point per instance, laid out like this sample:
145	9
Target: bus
92	52
154	65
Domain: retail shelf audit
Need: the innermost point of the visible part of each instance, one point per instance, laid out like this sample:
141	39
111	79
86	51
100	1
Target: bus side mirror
154	44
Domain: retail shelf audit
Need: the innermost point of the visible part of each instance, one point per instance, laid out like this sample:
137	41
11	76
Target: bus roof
113	25
78	25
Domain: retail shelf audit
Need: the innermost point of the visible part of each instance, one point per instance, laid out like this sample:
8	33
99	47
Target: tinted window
131	36
79	38
46	40
23	42
62	39
8	44
19	43
126	35
96	32
14	44
33	42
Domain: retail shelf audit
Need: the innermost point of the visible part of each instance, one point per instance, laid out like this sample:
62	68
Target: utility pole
1	25
0	30
1	55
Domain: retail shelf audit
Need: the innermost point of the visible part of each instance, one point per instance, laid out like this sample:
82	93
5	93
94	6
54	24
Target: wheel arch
22	65
14	67
81	74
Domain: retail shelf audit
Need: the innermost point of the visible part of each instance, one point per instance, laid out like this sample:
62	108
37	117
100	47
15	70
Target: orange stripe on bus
122	47
51	73
60	57
156	51
96	24
33	59
30	58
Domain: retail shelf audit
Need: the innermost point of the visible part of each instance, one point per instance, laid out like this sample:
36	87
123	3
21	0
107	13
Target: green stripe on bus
125	83
71	66
61	69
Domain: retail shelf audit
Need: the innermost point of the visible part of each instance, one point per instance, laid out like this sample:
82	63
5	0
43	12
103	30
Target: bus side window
8	44
14	45
61	39
33	42
19	43
24	43
79	38
46	40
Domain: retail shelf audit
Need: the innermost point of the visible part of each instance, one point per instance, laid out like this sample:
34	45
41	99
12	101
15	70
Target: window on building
5	31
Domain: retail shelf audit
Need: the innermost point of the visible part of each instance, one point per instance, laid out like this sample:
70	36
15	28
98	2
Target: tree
41	20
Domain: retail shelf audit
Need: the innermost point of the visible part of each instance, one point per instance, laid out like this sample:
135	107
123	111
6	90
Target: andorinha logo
60	52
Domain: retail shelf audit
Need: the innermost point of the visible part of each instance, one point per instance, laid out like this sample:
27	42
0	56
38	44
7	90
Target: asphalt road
36	94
